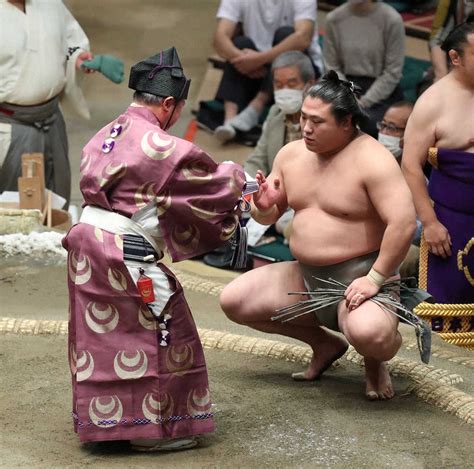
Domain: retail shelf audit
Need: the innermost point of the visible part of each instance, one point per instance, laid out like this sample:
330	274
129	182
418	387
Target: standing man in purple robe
138	369
441	130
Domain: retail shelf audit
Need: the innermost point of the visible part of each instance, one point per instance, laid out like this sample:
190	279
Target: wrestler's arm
270	202
391	198
420	135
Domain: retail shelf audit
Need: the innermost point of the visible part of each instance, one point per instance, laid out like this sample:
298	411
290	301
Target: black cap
161	75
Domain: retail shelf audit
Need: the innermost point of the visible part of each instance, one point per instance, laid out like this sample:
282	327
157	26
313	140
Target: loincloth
344	272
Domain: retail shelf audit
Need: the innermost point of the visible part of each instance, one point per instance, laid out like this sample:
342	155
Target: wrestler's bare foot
378	383
324	355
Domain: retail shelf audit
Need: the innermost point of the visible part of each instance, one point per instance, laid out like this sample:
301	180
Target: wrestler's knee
231	304
372	341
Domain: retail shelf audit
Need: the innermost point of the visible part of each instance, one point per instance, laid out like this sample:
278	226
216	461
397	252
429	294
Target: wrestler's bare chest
334	187
455	124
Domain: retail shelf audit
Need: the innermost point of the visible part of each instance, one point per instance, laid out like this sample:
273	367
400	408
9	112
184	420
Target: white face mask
392	144
289	101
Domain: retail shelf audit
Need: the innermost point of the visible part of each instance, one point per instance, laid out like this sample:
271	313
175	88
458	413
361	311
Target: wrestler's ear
454	57
346	123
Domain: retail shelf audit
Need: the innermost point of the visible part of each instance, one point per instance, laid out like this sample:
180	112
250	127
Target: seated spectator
291	72
269	28
392	127
449	13
365	43
391	131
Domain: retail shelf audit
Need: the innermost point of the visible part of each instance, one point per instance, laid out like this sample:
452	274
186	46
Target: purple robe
451	188
125	384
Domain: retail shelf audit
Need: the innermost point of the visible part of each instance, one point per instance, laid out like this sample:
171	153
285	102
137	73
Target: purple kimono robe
125	385
451	188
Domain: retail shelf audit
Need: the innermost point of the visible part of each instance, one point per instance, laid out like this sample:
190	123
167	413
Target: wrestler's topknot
341	94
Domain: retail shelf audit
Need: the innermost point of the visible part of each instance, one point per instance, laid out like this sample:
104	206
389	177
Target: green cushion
276	250
413	70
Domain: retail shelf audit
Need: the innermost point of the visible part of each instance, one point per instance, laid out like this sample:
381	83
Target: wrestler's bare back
335	219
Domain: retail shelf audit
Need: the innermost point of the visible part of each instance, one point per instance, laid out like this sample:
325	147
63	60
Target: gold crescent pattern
105	411
130	368
199	402
85	366
111	172
464	268
157	149
155	409
179	359
187	241
147	320
145	195
80	270
99	234
195	173
201	212
229	226
118	241
101	318
117	279
163	202
85	164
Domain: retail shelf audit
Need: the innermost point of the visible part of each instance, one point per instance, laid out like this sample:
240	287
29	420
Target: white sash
115	223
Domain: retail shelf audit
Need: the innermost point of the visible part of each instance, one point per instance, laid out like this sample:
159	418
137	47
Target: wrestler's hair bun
332	77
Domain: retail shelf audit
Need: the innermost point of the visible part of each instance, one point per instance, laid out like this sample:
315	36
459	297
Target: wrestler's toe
389	393
372	396
302	376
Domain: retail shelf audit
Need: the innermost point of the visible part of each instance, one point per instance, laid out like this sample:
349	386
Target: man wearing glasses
392	127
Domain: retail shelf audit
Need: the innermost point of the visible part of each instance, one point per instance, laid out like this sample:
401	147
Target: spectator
392	127
391	131
269	28
365	43
291	72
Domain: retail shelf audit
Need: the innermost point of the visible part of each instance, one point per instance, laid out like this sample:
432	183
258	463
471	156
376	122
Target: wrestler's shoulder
368	150
432	97
294	148
289	152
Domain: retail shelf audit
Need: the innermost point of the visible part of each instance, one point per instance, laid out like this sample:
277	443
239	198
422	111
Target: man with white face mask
292	71
392	127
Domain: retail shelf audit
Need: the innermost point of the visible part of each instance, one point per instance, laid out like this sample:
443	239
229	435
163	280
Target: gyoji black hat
161	75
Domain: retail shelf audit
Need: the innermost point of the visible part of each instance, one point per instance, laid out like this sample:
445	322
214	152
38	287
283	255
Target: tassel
239	244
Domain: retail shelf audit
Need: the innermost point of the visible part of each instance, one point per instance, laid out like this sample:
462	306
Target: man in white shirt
41	47
270	27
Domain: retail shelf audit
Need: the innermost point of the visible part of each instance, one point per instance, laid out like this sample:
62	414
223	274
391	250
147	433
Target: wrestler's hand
268	194
437	237
360	290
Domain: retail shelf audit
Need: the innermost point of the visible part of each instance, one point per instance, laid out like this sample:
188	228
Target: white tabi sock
245	120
